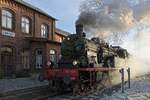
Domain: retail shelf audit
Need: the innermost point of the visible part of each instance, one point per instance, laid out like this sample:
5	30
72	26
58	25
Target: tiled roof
62	32
34	8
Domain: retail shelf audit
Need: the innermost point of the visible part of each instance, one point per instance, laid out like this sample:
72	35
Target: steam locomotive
82	60
79	51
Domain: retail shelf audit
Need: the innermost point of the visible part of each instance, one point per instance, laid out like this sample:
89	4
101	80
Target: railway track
83	96
45	93
139	91
36	93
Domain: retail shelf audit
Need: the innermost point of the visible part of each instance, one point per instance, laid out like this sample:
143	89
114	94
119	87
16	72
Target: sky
66	11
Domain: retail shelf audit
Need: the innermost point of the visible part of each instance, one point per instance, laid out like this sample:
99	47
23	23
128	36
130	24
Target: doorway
7	62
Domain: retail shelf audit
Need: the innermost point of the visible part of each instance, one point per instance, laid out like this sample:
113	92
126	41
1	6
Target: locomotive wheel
57	85
82	87
76	89
106	80
51	84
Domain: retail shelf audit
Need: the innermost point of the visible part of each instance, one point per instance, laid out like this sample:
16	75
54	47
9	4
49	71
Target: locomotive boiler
84	62
77	50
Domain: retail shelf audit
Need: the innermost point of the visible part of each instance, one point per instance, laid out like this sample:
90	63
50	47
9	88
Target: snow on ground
140	90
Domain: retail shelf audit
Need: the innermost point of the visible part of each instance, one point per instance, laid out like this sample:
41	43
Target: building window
39	59
53	56
7	19
44	31
25	24
25	59
59	38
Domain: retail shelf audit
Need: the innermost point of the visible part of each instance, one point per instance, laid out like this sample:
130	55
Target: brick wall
36	19
20	42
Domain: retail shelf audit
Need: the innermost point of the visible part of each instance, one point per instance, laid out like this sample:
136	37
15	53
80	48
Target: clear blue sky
66	11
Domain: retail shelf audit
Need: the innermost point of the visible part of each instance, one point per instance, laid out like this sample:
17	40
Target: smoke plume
123	22
108	17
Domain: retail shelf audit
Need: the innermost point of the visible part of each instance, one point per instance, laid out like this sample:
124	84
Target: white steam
138	45
123	22
106	17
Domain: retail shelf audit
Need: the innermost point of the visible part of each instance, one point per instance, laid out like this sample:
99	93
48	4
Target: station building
28	38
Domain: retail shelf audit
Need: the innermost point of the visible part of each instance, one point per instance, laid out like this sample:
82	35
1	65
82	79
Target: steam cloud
121	21
138	45
107	17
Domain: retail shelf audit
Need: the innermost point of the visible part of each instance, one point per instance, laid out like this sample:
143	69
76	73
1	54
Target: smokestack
79	30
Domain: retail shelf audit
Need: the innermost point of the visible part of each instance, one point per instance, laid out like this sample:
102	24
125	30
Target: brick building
28	37
60	35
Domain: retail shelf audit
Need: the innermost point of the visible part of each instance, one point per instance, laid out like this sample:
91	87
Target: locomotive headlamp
75	62
68	38
49	63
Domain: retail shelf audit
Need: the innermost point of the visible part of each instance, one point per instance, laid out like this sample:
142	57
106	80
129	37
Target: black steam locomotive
77	50
84	62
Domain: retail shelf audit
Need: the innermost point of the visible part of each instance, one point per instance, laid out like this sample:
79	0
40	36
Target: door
7	63
25	59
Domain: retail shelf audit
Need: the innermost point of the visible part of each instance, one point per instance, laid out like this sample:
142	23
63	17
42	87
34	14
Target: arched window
44	31
7	19
25	24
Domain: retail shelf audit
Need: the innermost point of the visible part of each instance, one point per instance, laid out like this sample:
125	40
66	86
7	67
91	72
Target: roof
62	32
33	8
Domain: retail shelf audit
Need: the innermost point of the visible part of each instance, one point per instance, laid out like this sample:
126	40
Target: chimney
79	30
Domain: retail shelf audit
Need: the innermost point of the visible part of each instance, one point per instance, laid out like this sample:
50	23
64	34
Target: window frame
13	19
47	31
40	55
59	38
25	59
23	22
